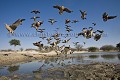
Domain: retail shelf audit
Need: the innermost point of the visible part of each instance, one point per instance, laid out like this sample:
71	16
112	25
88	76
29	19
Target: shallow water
44	64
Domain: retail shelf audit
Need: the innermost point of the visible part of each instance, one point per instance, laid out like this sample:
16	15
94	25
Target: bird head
6	25
62	7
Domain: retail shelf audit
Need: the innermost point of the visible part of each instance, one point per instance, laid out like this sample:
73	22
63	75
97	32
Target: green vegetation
107	48
14	42
108	56
21	49
118	56
93	49
93	56
79	47
12	69
118	46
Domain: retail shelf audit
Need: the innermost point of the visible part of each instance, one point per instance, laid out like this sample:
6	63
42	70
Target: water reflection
37	67
93	56
37	74
12	69
108	56
118	56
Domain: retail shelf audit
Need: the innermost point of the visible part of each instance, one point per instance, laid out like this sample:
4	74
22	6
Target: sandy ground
8	58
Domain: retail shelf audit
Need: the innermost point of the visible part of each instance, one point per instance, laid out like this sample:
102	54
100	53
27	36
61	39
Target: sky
11	10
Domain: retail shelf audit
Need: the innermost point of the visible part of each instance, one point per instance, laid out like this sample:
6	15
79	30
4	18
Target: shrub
107	47
93	49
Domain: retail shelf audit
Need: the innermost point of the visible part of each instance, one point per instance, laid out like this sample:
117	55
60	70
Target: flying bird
66	41
84	43
34	18
83	14
43	37
75	21
35	11
38	44
62	9
41	30
52	21
68	30
75	43
67	26
106	17
55	43
100	31
97	37
67	21
37	24
94	24
49	40
13	27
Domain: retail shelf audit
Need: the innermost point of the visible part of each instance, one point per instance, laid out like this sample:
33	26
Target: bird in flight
41	30
35	11
100	31
62	9
83	14
67	21
75	21
37	24
13	27
94	24
38	44
66	41
75	43
52	21
34	18
106	17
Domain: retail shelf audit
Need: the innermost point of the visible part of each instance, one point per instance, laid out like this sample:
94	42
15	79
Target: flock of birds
86	32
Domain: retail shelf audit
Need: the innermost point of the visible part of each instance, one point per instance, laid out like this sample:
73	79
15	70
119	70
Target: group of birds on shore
86	32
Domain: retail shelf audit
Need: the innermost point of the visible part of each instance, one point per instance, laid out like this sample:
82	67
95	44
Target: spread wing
58	7
111	17
67	10
35	11
16	24
81	12
51	19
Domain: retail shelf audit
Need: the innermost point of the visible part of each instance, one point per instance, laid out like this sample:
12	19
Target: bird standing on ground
62	9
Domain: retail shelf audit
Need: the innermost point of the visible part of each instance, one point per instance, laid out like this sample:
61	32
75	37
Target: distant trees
79	47
21	49
93	49
118	46
14	42
107	48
